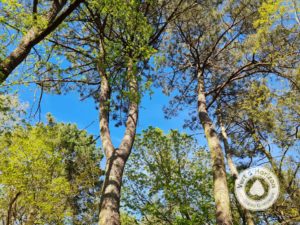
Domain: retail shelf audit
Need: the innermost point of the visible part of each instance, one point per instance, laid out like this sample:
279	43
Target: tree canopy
228	69
49	174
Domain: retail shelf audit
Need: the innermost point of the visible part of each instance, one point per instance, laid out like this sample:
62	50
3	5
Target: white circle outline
262	204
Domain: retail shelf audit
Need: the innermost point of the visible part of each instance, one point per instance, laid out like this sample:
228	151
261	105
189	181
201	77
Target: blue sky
70	109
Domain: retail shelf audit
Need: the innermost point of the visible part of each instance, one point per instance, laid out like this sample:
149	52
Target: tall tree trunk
116	158
34	36
233	170
111	192
221	193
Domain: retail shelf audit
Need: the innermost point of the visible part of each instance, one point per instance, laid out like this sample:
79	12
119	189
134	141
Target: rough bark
116	158
111	193
221	193
233	170
34	36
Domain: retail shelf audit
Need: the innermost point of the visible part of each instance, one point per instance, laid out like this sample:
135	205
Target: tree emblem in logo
257	189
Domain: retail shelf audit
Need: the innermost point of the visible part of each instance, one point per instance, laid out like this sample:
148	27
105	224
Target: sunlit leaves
11	111
168	179
55	167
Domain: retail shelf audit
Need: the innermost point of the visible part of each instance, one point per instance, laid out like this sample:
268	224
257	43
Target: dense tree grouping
231	67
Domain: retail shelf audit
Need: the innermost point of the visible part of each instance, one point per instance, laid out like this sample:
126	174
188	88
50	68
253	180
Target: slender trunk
10	208
116	158
33	37
241	213
231	165
233	170
221	193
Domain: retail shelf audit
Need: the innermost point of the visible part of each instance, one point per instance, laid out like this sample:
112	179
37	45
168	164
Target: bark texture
116	158
221	193
34	36
233	170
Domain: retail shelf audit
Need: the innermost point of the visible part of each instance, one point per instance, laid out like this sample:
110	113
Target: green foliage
257	104
272	12
264	123
168	180
272	111
55	169
133	25
275	17
237	46
127	219
11	111
19	15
